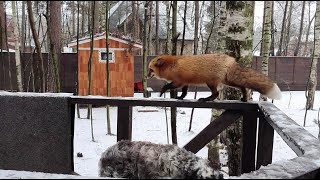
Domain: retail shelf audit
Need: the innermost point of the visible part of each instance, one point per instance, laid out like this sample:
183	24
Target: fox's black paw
203	99
180	98
244	100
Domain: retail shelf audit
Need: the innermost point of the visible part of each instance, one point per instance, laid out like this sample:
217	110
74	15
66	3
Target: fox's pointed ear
160	62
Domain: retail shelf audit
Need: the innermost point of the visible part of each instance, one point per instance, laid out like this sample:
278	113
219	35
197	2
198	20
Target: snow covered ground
151	126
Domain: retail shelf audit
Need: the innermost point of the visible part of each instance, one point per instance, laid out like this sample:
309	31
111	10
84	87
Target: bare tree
157	28
17	46
39	64
296	51
55	43
23	27
2	26
173	93
266	39
107	68
144	80
288	29
312	82
96	16
279	52
184	25
149	27
308	30
169	35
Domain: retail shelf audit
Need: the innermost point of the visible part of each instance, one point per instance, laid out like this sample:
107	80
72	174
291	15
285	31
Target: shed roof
122	39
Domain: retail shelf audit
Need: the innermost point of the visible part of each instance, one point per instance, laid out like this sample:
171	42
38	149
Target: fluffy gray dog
142	160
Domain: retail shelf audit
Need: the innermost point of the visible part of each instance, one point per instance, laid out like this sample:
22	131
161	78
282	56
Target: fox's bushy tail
252	79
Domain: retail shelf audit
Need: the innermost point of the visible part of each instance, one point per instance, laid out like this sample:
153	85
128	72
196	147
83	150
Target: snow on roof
114	36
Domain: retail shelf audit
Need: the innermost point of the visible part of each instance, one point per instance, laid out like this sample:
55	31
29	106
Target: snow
151	126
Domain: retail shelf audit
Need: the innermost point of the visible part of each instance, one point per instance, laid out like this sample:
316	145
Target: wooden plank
124	124
212	130
296	137
265	143
163	102
249	131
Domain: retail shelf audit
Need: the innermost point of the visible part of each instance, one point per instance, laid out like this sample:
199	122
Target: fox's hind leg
184	92
214	95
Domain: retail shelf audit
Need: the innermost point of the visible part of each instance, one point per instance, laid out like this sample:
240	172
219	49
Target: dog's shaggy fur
140	159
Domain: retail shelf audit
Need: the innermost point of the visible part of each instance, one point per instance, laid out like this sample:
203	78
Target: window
103	56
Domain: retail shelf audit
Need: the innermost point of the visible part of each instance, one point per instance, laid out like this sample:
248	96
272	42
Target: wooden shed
121	65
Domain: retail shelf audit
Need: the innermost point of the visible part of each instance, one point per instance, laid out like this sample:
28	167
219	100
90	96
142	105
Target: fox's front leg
173	85
166	87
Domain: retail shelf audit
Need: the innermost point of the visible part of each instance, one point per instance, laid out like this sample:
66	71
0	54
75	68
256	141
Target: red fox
214	70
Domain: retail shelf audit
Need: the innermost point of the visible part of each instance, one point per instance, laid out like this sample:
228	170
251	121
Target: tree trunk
73	25
157	28
272	53
169	35
39	64
23	27
90	60
78	33
266	39
16	45
107	68
296	51
238	45
2	26
134	19
196	26
96	17
144	54
222	30
279	52
83	12
312	83
308	31
287	40
149	27
184	25
173	93
55	43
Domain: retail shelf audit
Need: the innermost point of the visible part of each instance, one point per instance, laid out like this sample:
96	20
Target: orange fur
213	70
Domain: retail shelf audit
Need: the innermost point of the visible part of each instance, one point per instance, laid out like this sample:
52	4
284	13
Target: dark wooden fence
291	73
68	71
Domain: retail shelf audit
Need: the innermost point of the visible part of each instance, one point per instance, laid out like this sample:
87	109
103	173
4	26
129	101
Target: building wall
121	79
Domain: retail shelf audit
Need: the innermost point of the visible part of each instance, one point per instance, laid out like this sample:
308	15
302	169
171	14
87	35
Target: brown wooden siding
121	71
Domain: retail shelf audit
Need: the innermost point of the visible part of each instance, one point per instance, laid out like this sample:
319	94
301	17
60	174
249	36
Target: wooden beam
212	130
124	124
163	102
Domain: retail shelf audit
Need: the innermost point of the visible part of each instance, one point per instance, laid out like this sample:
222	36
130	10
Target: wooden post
265	143
249	131
124	124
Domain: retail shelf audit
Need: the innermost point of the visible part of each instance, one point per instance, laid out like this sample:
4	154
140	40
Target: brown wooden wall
121	71
291	73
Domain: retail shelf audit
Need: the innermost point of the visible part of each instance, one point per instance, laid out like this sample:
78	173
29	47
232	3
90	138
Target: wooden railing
270	118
